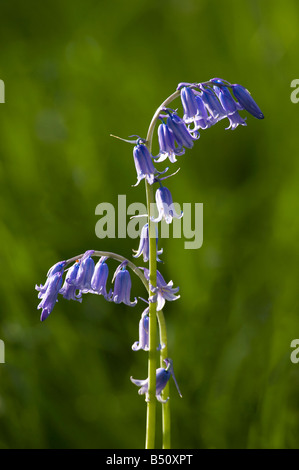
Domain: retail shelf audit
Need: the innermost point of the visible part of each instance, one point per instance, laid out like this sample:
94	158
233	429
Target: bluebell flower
122	286
203	120
143	164
230	106
183	137
69	290
58	267
143	342
143	248
99	279
189	106
246	101
84	275
167	146
165	206
228	103
49	297
163	291
212	104
162	377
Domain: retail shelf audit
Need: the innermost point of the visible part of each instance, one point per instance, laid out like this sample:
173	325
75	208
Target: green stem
153	314
151	403
166	441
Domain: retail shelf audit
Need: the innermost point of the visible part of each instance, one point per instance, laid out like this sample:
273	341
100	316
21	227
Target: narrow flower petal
235	120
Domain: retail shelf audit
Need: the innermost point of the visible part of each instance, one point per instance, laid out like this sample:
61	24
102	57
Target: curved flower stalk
204	105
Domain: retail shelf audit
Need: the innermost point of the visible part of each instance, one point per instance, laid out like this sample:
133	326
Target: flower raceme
204	104
81	278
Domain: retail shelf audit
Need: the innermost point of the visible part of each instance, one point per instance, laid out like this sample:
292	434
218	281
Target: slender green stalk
166	437
151	404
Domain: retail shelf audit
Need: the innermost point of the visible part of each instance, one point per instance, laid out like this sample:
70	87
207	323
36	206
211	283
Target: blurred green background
75	72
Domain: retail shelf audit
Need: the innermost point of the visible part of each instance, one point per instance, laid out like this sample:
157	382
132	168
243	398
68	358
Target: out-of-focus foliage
75	72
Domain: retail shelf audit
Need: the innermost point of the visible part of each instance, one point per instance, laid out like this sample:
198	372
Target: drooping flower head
84	275
162	377
69	288
58	267
81	278
143	342
143	163
190	107
99	279
122	286
49	297
165	206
